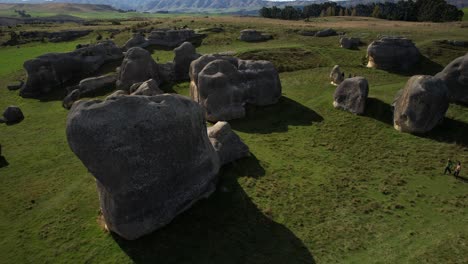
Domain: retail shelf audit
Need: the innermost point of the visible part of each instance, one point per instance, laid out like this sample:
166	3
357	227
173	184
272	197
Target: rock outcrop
326	33
351	95
93	85
55	70
137	40
227	144
421	105
173	38
137	66
151	158
223	85
350	43
252	35
455	77
393	54
336	76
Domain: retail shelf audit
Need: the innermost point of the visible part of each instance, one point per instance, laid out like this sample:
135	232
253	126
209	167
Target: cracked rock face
151	157
421	105
223	85
393	54
455	77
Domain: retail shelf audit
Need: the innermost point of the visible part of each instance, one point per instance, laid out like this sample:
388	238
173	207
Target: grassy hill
321	185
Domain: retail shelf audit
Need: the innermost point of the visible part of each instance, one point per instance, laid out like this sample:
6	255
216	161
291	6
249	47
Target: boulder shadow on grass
225	228
379	110
3	162
275	118
450	131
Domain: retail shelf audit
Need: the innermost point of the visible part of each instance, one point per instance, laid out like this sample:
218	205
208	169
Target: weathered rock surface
455	77
252	35
184	55
326	33
393	54
92	85
148	88
351	95
151	158
223	85
117	94
55	70
350	43
13	115
72	97
336	76
137	66
227	144
421	105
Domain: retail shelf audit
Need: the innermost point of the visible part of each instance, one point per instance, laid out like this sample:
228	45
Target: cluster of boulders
57	70
147	180
12	115
393	54
252	35
24	37
168	38
224	85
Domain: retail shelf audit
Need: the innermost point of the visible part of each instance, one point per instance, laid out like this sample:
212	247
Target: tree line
419	10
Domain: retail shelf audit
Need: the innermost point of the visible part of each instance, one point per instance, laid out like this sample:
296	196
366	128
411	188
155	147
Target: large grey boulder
252	35
349	42
184	55
148	88
455	77
351	95
92	85
13	115
55	70
421	105
151	158
223	85
137	66
137	40
336	76
393	54
227	144
72	97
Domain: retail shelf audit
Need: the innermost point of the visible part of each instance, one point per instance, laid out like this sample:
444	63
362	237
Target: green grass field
321	185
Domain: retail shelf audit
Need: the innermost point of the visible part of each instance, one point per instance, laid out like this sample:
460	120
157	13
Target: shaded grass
322	184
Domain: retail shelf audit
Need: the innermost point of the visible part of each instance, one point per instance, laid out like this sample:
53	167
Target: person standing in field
448	167
457	170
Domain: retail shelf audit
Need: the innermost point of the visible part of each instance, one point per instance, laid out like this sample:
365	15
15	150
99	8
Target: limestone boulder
151	158
13	115
224	85
326	33
351	95
350	43
137	40
421	105
148	88
227	144
170	38
455	77
137	66
252	35
93	85
184	55
336	76
56	70
393	54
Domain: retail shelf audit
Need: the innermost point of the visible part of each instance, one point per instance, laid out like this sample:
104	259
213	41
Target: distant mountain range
209	6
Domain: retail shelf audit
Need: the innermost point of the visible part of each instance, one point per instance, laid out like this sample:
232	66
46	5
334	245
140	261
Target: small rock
13	115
